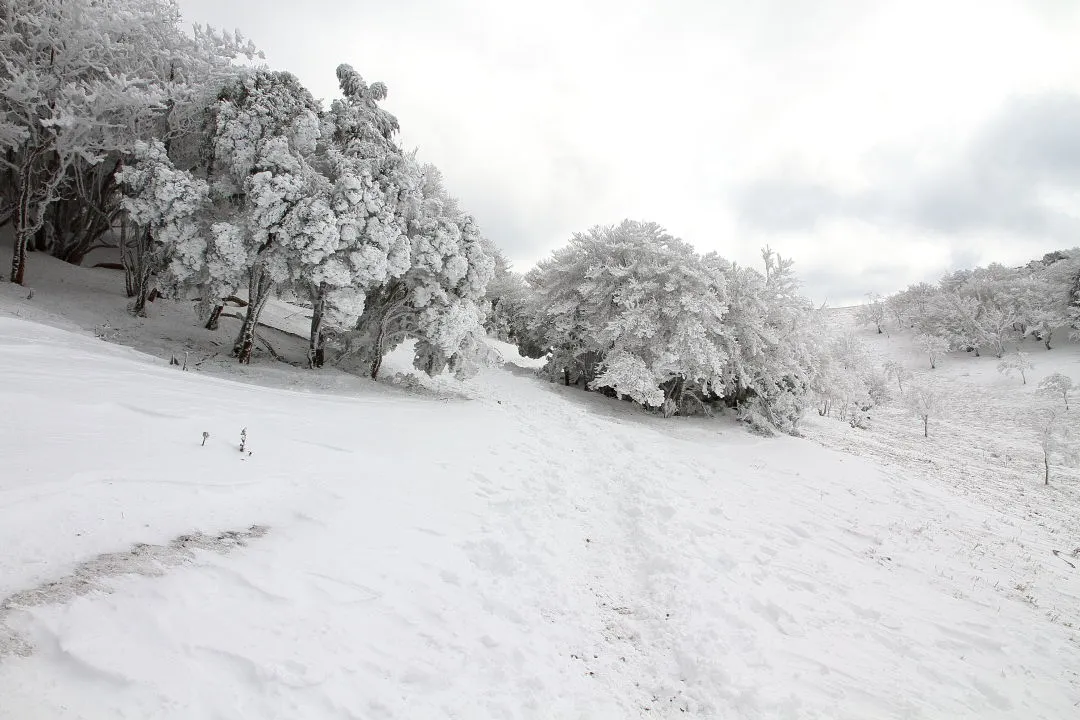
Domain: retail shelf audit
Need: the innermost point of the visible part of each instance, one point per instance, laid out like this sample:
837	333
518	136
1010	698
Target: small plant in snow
933	345
1057	384
925	404
1058	439
1015	362
205	437
243	439
896	370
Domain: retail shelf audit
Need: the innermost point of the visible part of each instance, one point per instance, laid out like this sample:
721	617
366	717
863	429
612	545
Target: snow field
533	552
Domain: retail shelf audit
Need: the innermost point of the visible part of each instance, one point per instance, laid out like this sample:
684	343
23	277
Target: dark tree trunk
138	271
18	255
376	363
259	287
142	291
215	317
24	229
316	352
127	260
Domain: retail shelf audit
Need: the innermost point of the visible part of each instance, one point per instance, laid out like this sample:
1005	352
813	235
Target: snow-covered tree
1059	440
84	80
1018	361
373	187
1042	306
634	311
899	307
774	342
663	310
66	100
264	130
934	346
1057	384
506	297
994	327
164	204
438	299
873	312
896	370
848	377
925	404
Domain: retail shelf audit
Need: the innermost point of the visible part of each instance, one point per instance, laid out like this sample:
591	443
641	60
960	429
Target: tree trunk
137	272
1046	340
41	174
18	257
673	390
215	317
926	427
376	363
1046	469
142	290
127	260
259	287
23	229
316	353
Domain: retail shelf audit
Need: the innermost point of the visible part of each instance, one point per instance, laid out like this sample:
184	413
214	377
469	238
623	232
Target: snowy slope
535	552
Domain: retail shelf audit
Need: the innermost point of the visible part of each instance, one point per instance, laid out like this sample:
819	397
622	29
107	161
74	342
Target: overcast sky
878	143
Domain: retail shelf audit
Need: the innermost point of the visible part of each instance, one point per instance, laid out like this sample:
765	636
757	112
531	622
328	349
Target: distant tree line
988	308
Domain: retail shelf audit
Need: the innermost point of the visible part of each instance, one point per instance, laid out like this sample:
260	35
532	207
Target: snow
506	548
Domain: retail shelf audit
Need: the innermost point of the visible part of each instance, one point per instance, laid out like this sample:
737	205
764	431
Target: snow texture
516	549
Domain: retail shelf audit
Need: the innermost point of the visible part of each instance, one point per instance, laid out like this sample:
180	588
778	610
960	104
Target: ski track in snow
535	552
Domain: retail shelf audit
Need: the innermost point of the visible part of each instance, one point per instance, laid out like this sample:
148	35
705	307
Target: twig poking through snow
243	439
205	437
1057	553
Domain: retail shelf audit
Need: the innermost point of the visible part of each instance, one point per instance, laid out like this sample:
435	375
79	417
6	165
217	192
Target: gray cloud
994	183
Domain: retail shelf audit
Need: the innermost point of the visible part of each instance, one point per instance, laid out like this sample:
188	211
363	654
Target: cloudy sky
877	142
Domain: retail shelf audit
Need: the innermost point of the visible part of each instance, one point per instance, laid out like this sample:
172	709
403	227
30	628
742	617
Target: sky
875	142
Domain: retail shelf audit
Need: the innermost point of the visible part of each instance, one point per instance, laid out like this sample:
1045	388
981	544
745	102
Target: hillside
500	548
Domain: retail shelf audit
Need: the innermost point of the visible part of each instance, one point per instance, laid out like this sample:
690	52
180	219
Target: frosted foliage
1017	362
157	193
345	305
306	133
226	258
848	379
168	203
1057	385
989	307
635	289
629	375
925	404
1060	439
703	327
438	279
447	327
